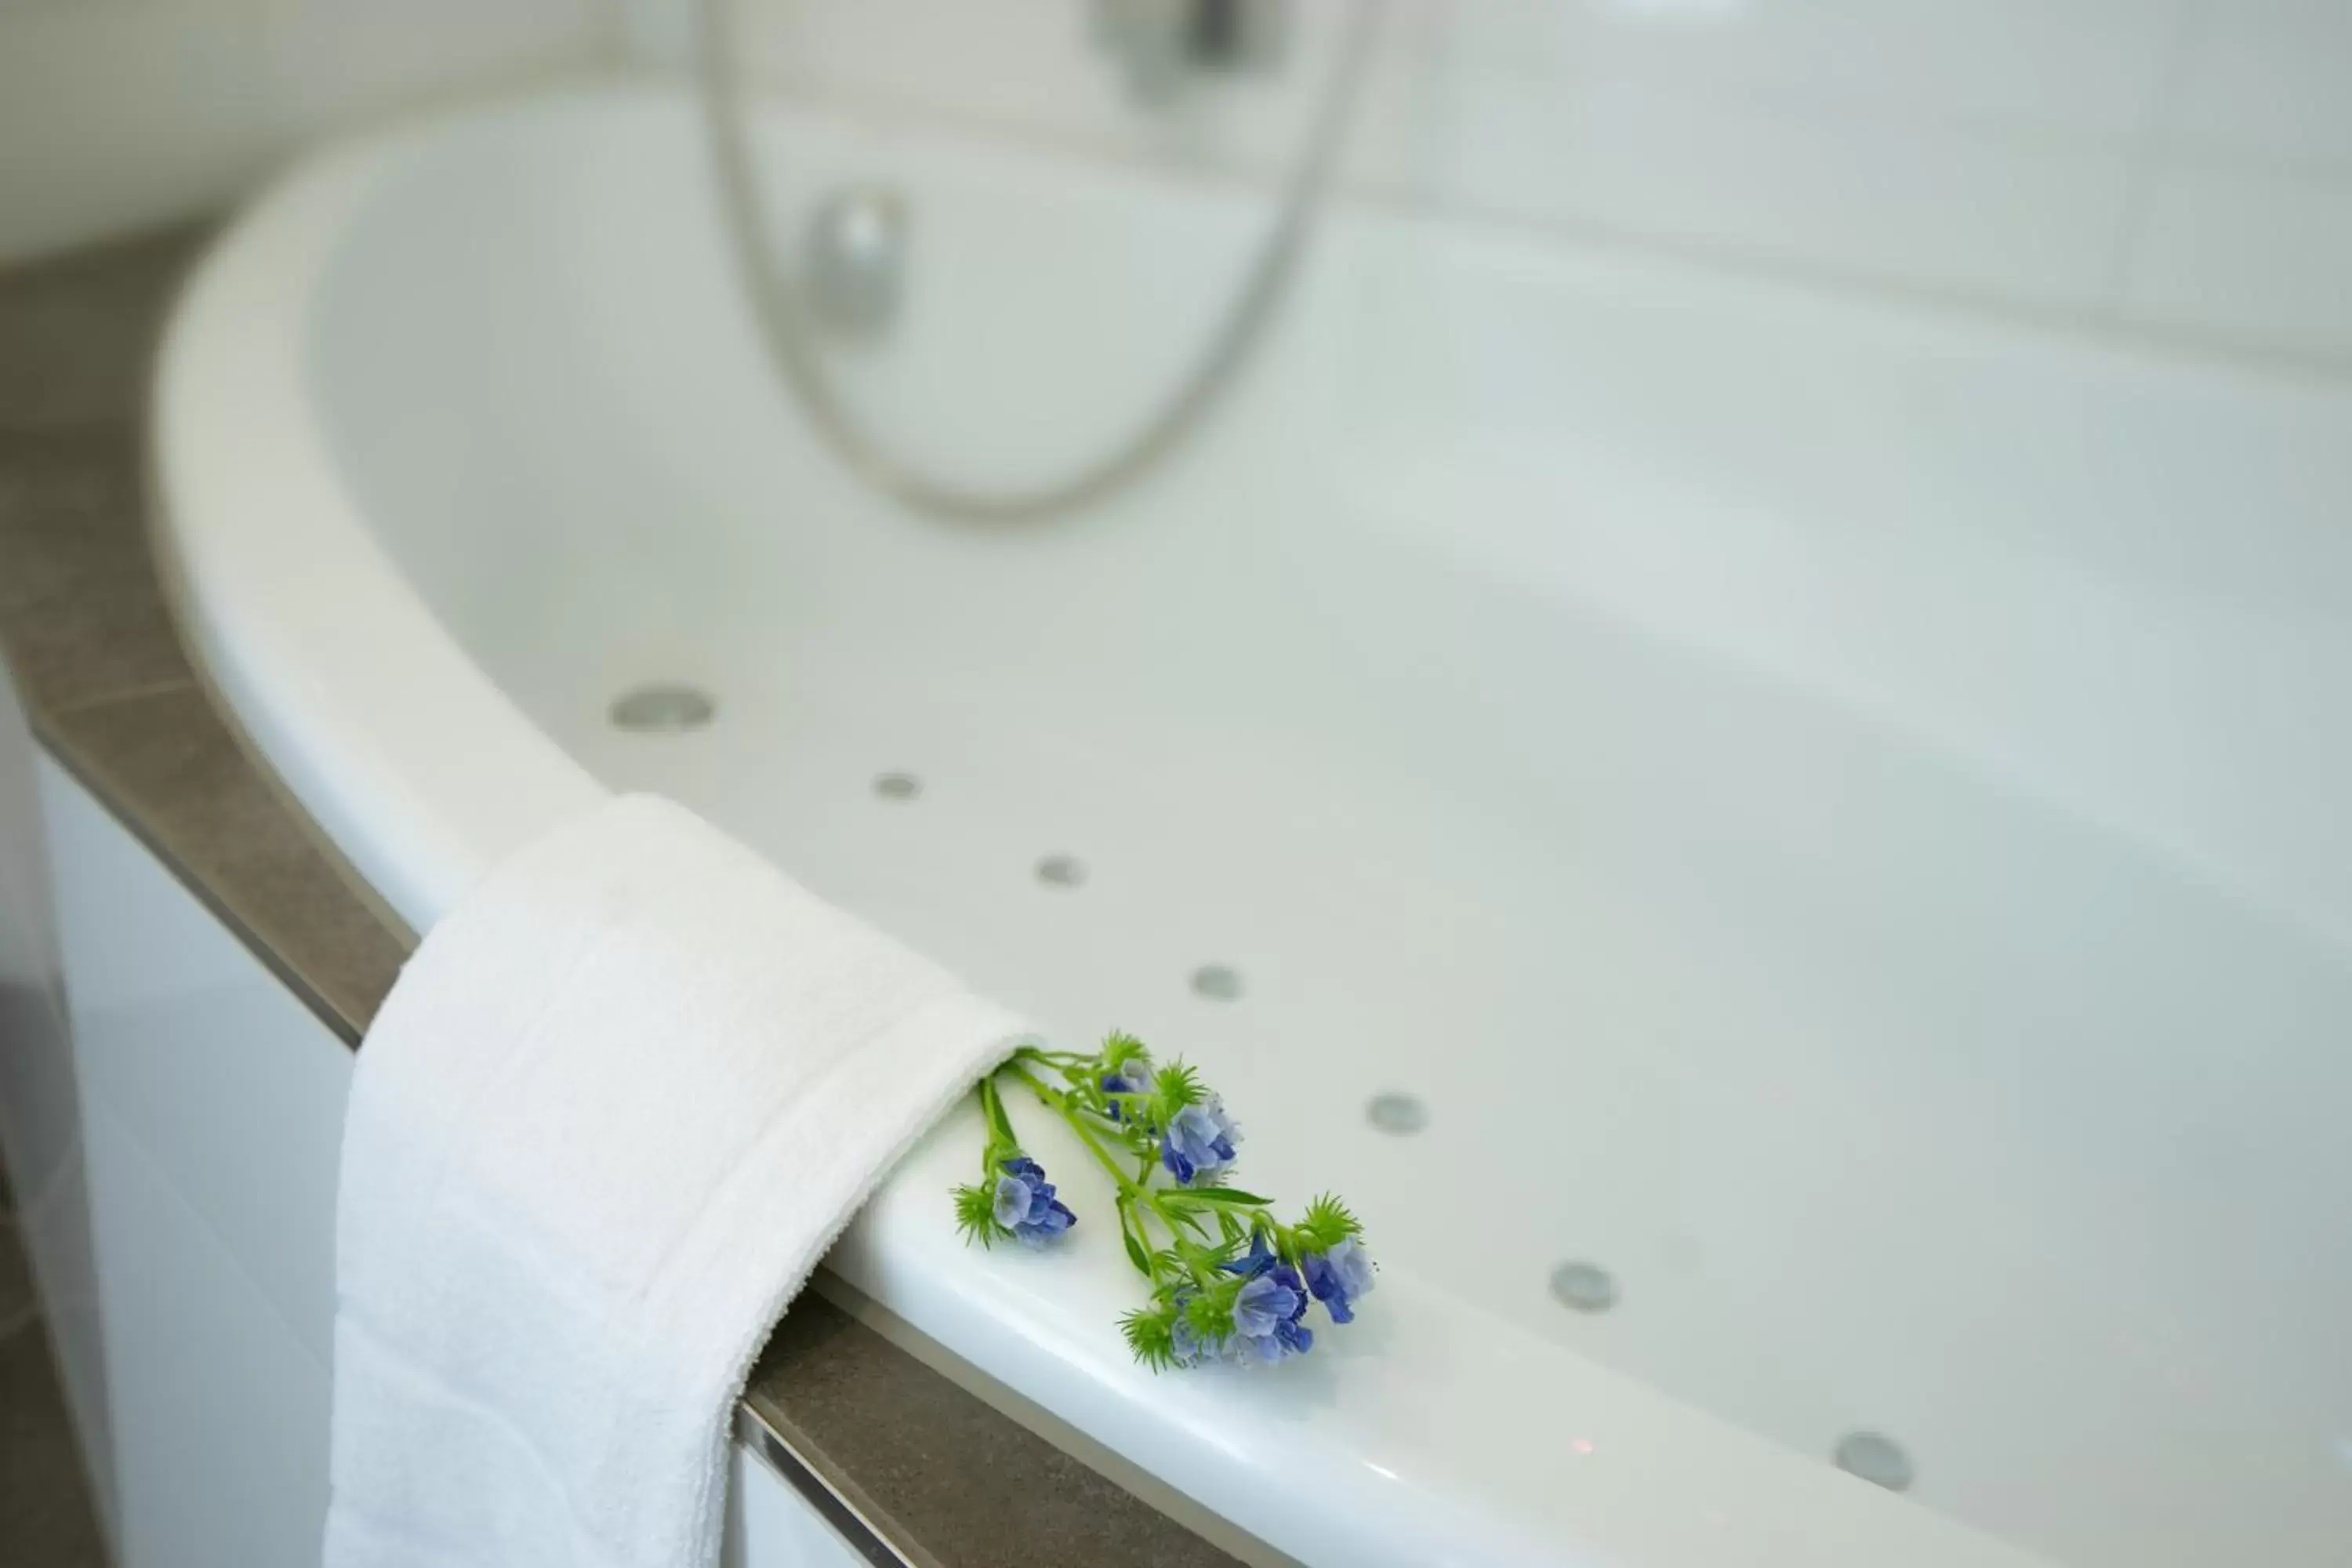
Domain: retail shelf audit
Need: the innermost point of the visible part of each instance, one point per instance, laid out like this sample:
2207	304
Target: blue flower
1254	1262
1267	1316
1199	1139
1026	1203
1337	1278
1135	1078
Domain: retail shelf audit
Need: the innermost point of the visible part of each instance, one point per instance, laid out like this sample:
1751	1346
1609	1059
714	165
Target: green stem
1138	1239
1058	1103
1000	1126
1140	1197
1061	1060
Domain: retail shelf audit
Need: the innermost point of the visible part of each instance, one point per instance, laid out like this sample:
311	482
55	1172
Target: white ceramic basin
1836	813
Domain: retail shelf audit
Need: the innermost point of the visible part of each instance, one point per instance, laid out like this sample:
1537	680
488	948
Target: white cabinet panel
40	1124
234	1089
220	1414
768	1525
211	1104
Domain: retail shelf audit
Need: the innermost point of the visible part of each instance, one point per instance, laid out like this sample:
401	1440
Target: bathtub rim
248	502
282	593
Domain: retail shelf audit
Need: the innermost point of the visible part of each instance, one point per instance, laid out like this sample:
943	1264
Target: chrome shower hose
784	326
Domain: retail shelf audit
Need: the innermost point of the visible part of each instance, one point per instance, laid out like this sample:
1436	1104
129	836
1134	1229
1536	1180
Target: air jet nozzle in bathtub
1877	1459
663	707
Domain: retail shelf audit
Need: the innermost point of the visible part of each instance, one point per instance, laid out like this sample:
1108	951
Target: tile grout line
138	693
2087	314
2149	151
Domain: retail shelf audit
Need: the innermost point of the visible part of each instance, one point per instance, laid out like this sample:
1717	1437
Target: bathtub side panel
211	1102
40	1122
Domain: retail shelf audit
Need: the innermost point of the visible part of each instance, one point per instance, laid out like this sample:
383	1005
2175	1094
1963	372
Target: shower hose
784	326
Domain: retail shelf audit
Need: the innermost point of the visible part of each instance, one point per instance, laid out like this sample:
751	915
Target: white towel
614	1112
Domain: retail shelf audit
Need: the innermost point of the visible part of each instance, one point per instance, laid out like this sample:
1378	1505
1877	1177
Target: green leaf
1127	1233
1213	1195
1175	1087
1328	1223
1000	1127
975	1215
1119	1048
1152	1334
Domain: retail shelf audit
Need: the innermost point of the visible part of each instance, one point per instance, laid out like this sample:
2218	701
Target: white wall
2176	167
2180	167
118	115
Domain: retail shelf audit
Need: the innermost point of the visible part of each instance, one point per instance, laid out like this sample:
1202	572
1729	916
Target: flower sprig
1228	1280
1018	1203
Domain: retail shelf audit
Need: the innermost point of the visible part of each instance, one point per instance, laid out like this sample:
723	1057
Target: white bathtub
1837	811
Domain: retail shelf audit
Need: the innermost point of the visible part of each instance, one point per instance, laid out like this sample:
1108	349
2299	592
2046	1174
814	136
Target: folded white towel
618	1105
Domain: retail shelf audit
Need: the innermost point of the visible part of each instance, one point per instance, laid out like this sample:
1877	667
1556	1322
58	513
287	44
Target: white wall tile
1029	65
2092	69
2269	79
2242	232
115	114
1978	146
333	59
2251	255
1918	203
1983	147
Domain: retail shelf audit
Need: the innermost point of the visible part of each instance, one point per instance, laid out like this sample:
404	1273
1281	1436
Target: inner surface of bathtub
1821	815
